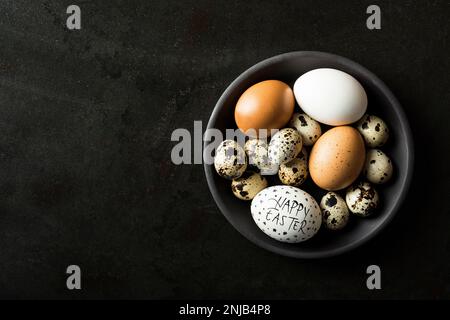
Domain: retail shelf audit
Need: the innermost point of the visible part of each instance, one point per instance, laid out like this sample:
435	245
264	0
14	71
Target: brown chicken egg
266	105
337	158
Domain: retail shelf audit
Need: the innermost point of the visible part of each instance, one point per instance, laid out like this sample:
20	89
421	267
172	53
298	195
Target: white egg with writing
286	213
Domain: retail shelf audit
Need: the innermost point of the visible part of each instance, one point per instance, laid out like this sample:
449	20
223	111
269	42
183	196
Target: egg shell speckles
257	152
286	213
374	130
362	199
230	161
284	146
378	168
308	128
295	172
335	213
247	186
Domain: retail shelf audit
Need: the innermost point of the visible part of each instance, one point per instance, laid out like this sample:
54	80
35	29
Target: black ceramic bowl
288	67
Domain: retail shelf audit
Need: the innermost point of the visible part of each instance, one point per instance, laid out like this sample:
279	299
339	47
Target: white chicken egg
331	96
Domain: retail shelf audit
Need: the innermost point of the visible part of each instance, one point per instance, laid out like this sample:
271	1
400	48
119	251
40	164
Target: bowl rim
377	82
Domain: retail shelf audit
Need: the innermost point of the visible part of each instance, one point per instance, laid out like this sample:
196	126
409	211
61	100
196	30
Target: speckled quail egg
247	186
294	172
374	130
257	153
308	127
230	160
378	168
362	199
284	146
335	213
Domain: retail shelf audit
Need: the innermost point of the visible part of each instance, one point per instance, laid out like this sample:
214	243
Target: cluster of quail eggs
361	198
287	155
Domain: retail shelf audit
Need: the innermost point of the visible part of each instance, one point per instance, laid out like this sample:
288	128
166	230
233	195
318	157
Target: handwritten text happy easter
286	212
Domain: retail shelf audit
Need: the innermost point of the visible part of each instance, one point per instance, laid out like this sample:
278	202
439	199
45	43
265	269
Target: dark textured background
85	124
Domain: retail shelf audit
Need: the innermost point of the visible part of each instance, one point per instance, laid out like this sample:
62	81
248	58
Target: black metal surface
86	118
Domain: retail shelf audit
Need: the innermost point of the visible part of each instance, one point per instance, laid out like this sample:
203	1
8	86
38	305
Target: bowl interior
288	67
